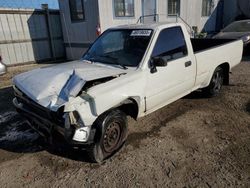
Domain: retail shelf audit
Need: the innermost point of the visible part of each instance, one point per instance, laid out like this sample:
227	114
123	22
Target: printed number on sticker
141	33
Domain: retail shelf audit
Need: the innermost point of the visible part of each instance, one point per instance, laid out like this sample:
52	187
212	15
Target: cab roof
152	26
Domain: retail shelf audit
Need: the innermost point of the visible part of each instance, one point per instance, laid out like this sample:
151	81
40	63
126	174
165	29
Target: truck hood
52	86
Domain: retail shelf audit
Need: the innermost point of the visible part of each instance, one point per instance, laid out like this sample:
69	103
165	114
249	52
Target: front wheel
111	132
216	83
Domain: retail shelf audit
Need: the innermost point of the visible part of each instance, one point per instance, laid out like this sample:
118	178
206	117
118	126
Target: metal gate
28	35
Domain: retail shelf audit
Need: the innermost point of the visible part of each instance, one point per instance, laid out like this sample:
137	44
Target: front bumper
46	127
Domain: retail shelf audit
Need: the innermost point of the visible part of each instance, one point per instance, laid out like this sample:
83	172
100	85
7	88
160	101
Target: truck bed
204	44
210	53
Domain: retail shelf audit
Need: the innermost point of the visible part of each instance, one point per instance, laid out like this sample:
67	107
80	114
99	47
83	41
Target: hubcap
111	136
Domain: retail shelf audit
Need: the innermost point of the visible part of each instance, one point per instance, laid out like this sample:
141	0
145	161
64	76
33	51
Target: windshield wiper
114	61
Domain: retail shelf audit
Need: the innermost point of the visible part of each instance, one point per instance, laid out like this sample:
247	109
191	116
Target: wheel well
225	67
130	107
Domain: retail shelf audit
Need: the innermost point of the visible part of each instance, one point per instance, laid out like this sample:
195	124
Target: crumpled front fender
85	109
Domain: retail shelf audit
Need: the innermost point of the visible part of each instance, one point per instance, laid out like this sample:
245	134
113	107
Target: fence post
48	21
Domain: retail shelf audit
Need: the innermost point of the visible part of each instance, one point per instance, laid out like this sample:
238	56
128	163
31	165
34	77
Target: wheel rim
217	80
112	136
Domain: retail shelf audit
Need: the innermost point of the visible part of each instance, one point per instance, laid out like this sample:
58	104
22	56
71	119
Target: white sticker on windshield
145	33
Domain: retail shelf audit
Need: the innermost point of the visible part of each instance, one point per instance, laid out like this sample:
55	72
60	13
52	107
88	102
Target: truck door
177	78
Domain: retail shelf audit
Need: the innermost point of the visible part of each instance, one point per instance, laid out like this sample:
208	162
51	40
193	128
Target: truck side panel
208	60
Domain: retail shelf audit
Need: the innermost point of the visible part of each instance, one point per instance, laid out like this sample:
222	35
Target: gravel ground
194	142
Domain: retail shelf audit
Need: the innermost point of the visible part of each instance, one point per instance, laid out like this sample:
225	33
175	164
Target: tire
111	133
215	84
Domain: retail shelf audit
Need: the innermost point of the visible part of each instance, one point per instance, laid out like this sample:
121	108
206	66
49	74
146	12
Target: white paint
47	85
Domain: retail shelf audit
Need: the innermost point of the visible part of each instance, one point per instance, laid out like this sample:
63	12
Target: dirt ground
194	142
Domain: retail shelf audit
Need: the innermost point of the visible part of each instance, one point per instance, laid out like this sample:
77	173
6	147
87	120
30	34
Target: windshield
242	26
120	47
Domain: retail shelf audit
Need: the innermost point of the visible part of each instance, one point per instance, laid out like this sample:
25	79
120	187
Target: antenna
67	33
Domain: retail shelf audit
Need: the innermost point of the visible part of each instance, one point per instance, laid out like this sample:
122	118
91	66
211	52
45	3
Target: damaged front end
70	119
75	129
46	122
55	98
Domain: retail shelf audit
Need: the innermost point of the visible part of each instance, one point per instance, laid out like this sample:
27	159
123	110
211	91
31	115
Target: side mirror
157	62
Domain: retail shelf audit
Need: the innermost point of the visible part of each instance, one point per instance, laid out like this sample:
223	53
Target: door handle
188	63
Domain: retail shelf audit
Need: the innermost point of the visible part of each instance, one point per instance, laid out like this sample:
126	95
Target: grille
29	104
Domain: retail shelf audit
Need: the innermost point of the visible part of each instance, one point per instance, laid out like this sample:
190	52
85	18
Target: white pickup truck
129	70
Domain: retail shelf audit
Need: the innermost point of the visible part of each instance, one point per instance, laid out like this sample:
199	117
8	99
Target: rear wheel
216	83
111	132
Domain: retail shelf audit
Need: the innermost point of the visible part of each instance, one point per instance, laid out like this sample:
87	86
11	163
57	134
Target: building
80	18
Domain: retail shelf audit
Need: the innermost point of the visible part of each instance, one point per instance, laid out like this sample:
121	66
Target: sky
53	4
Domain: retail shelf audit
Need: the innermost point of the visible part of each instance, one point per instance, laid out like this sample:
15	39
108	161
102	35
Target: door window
170	44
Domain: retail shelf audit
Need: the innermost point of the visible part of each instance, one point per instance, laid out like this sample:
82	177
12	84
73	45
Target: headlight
81	134
246	38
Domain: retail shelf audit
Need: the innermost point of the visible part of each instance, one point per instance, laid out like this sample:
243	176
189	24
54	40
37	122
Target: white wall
107	18
190	12
103	11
